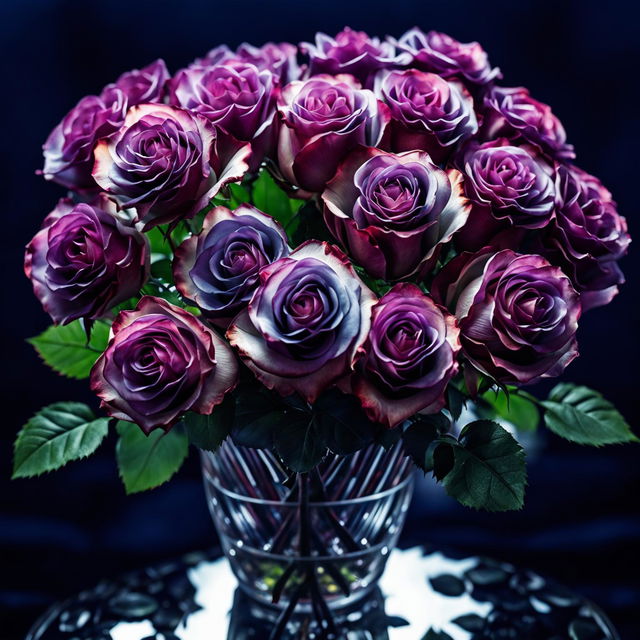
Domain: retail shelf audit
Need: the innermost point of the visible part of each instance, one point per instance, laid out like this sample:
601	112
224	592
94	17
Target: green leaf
489	469
145	462
299	442
513	407
238	195
582	415
456	400
422	433
208	432
432	634
270	198
160	290
57	434
344	425
158	242
162	269
256	416
66	350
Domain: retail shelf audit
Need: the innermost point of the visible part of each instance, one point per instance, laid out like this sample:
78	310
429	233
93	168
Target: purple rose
408	359
511	112
84	261
323	119
235	97
217	270
439	53
517	314
161	362
510	183
142	85
305	321
587	238
167	163
352	52
68	151
279	58
427	112
392	213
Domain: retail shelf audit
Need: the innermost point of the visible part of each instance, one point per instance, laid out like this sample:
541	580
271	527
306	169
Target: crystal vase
318	540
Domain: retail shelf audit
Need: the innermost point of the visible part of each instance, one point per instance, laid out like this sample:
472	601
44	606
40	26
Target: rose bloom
511	112
323	119
161	362
392	213
408	359
427	112
440	53
517	314
305	321
514	185
167	163
217	270
352	52
68	151
85	260
279	58
143	85
236	97
587	238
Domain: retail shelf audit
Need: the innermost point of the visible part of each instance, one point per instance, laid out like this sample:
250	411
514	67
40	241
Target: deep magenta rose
352	52
68	151
324	118
408	359
85	260
161	362
427	112
392	213
511	183
142	85
167	163
217	270
305	321
517	314
511	112
236	97
587	237
277	57
440	53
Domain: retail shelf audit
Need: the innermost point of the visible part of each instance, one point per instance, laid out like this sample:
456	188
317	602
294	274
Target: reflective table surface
423	595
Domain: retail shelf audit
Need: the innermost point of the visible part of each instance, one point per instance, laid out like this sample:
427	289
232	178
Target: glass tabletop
423	595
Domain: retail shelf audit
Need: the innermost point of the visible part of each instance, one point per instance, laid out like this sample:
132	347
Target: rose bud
217	270
408	359
510	183
587	237
517	314
323	119
85	260
235	97
392	213
167	163
305	321
279	58
511	112
427	112
439	53
142	85
352	52
68	151
161	362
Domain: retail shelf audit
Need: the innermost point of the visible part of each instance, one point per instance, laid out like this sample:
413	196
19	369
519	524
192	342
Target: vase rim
312	504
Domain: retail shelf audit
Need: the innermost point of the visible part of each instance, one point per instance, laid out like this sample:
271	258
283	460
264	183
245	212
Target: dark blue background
65	531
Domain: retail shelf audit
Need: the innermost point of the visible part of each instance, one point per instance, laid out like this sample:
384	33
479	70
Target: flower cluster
374	215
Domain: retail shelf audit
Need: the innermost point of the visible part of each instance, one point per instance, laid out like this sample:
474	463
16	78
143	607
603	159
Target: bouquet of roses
312	249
